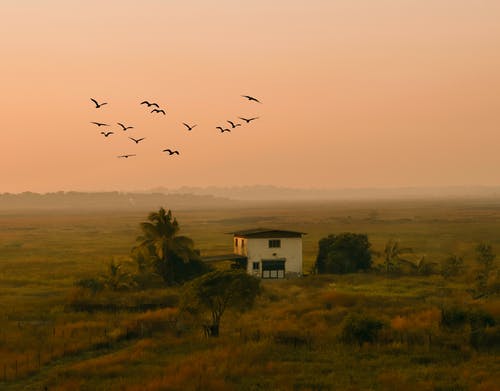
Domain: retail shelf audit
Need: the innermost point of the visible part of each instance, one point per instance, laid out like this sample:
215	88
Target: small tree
393	256
116	278
217	291
343	253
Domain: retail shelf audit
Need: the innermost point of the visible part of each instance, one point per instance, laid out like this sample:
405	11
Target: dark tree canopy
215	292
172	256
343	253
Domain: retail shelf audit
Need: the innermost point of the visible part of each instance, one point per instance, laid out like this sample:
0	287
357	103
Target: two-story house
270	253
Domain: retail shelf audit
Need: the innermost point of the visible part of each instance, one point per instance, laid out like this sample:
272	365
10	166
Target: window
256	265
236	242
274	243
242	244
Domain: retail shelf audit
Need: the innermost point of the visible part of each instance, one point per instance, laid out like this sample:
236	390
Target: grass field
288	341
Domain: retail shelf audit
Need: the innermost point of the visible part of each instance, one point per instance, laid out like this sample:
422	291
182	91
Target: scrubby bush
360	328
486	261
452	266
454	317
94	285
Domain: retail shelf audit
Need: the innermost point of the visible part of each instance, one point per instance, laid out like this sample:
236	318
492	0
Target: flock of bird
158	110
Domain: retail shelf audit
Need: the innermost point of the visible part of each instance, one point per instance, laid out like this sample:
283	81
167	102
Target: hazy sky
356	93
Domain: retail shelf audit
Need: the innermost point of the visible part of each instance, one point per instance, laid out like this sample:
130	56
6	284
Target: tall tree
173	256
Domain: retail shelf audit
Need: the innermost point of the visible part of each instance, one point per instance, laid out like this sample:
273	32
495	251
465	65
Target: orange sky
356	93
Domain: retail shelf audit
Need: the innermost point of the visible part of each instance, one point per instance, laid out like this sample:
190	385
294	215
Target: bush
359	328
452	266
343	253
454	317
92	284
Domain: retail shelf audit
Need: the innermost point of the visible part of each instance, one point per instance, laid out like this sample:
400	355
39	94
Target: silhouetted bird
149	104
137	140
106	134
158	111
247	120
188	127
125	127
224	130
251	98
97	104
127	156
99	124
170	152
233	125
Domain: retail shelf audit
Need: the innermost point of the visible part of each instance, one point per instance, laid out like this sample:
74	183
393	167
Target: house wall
257	249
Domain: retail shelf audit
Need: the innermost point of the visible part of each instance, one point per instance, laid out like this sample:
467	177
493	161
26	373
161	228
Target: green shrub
454	317
359	328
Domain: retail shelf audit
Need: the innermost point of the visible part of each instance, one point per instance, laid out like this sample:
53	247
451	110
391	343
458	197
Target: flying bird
97	104
137	140
158	111
250	98
150	104
99	124
170	152
248	120
126	156
223	130
106	134
188	127
233	125
125	127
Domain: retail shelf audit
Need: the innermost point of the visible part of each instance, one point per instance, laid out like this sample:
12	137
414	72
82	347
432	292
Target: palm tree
169	252
116	279
393	255
421	267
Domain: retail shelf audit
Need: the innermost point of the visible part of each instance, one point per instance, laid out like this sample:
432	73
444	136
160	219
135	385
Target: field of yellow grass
290	339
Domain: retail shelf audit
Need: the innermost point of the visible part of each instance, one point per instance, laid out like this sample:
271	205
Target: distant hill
109	201
274	193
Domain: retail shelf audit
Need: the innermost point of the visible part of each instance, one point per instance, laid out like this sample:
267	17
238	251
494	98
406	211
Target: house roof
267	233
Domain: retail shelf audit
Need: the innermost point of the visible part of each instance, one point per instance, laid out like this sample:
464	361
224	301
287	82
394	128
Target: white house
270	253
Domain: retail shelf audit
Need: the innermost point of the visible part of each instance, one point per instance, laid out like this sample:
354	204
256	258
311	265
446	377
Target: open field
288	341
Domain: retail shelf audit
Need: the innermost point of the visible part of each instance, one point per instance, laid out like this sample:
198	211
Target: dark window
274	243
256	265
242	244
236	242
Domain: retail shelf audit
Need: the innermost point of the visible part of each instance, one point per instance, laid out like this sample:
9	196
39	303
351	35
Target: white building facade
270	253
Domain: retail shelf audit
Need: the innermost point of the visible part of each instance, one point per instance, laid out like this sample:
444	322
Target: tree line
351	252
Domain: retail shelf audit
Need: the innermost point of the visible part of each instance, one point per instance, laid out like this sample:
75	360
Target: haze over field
356	93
